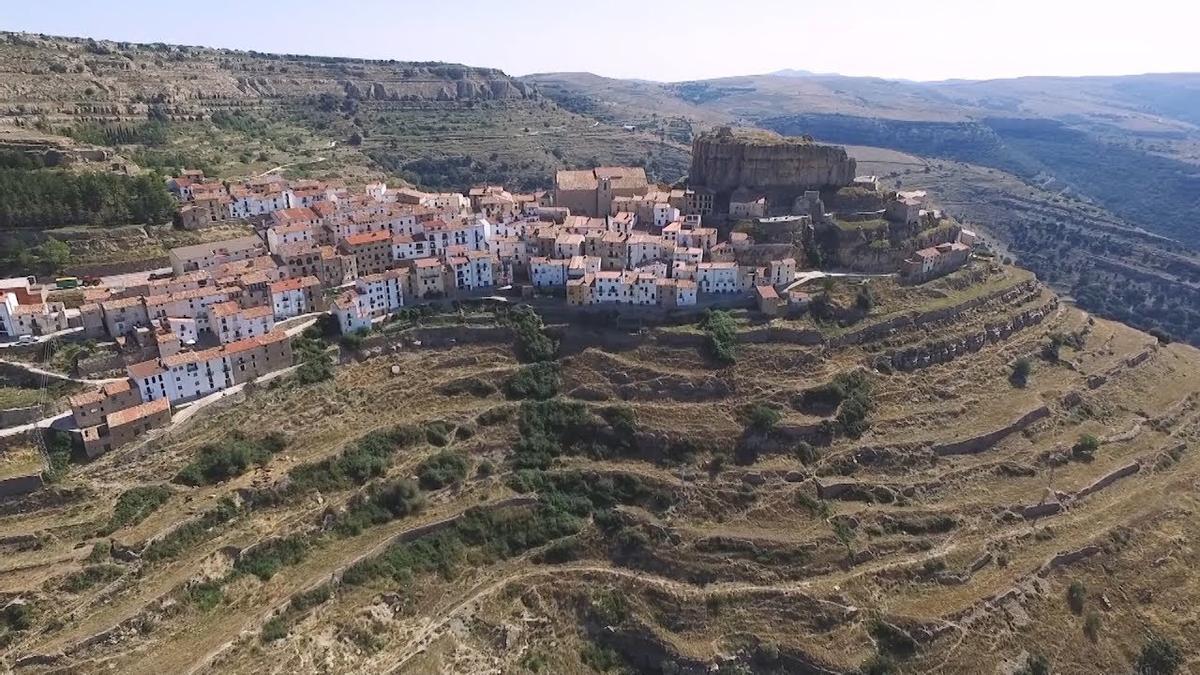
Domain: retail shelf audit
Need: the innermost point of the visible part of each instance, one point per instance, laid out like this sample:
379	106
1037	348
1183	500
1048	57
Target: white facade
380	294
246	204
716	277
289	303
547	272
182	377
238	323
409	247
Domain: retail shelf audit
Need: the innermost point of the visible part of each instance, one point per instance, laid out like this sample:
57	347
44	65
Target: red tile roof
137	412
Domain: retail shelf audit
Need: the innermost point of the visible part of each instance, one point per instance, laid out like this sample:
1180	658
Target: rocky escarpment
725	160
107	81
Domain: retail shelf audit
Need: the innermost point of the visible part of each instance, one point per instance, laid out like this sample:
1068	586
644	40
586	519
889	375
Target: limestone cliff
725	160
80	79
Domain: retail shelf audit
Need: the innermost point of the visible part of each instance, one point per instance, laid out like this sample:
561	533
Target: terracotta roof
427	262
295	283
254	342
288	228
384	275
575	180
97	395
226	308
292	214
145	369
184	358
367	238
137	412
766	292
296	249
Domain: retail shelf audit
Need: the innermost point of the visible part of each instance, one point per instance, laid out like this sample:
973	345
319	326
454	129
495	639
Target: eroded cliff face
724	161
105	81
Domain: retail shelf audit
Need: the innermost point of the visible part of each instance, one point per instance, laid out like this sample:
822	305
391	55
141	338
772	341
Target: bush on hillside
232	457
538	380
444	468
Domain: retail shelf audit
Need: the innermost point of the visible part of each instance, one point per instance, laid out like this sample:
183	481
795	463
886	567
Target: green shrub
205	595
101	551
722	336
90	576
306	600
264	560
538	380
1159	656
601	659
383	503
494	416
1091	626
59	450
1085	447
309	352
134	505
1036	664
191	532
497	534
532	343
761	418
806	453
56	198
16	616
892	640
880	664
442	469
1076	594
274	629
1021	370
367	458
230	458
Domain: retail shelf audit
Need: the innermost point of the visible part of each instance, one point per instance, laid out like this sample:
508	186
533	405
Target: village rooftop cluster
603	236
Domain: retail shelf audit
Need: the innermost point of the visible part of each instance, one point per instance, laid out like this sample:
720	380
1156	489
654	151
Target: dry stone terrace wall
943	351
983	442
932	318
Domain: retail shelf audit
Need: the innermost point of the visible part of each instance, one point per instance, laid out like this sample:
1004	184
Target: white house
293	297
717	277
381	294
547	271
232	322
181	376
409	247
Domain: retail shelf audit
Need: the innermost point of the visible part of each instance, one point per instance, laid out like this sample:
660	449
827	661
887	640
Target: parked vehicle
26	340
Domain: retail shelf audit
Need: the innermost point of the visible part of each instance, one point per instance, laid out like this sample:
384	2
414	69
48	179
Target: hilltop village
603	238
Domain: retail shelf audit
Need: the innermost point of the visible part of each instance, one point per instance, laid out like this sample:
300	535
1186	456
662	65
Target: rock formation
725	160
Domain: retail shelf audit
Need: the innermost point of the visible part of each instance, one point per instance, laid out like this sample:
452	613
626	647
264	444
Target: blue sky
672	40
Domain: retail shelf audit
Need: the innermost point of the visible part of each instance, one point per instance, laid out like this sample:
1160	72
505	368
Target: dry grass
761	540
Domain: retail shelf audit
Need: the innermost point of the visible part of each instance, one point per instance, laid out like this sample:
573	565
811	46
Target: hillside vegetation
234	113
872	492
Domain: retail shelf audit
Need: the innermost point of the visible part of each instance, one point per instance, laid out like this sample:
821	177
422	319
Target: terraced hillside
888	489
237	112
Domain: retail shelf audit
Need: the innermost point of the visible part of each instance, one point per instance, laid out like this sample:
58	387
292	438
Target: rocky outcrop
725	160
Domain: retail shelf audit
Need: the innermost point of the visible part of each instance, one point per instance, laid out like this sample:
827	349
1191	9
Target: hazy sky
670	40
